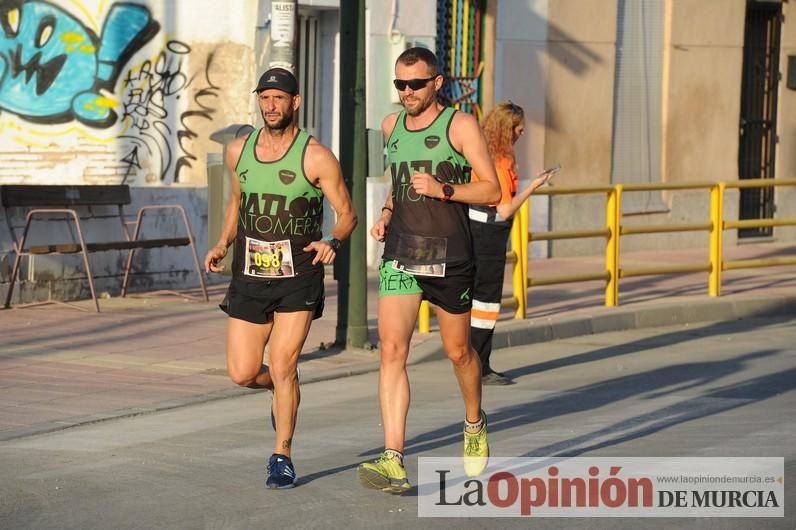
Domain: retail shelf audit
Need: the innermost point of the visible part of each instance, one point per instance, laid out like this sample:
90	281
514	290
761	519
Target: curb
606	320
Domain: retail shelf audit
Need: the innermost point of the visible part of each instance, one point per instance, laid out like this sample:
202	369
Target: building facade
652	92
617	91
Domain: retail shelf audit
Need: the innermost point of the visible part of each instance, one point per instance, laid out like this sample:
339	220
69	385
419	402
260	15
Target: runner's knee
282	371
393	351
459	353
244	377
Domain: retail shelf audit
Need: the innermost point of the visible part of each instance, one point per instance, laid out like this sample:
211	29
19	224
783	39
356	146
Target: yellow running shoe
386	473
476	451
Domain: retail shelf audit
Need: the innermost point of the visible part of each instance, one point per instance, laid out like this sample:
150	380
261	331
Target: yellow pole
453	38
717	218
612	210
516	243
524	248
424	317
465	36
487	82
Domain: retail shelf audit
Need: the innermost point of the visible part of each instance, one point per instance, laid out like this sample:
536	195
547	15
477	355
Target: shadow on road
652	384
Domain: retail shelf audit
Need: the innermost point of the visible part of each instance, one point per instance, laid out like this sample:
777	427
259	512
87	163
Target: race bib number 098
268	259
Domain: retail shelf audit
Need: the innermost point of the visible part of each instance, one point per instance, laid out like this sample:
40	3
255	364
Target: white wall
392	26
520	74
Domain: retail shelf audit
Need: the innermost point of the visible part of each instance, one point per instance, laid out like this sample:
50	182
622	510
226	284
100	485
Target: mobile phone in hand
551	171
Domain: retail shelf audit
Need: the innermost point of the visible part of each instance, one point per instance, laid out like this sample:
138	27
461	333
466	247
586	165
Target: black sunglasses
414	84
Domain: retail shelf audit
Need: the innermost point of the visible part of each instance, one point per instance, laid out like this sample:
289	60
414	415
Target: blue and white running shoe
281	474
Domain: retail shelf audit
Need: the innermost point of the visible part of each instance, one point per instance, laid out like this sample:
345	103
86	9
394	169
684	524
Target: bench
47	201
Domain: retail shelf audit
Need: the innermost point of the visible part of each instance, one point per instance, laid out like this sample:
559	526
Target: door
307	70
758	126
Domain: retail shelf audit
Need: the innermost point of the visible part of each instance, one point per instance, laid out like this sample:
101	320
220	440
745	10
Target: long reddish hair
499	127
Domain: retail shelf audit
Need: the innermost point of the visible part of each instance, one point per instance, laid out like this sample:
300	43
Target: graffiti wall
102	92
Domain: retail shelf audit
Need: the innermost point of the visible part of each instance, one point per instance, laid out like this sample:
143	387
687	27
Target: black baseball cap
278	78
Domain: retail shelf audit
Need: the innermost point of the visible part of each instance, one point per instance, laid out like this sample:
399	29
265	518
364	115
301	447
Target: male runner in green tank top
431	150
280	175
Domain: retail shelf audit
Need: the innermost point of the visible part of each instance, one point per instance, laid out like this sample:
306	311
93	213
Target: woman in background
490	227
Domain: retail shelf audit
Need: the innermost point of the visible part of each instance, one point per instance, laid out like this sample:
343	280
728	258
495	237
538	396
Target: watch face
335	244
447	189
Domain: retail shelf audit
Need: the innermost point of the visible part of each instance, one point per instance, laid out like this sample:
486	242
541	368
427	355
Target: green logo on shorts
392	281
465	296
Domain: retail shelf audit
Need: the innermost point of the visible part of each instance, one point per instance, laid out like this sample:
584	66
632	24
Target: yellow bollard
716	236
612	212
516	243
524	214
424	317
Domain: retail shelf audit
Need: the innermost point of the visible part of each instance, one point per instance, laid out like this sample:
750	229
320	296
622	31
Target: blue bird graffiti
52	67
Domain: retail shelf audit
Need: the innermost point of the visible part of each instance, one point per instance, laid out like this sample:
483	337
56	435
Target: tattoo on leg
286	443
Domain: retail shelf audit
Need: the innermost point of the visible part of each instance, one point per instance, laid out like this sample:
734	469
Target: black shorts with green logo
256	302
453	292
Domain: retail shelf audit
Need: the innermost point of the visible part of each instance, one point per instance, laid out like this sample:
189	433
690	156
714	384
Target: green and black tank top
279	207
424	230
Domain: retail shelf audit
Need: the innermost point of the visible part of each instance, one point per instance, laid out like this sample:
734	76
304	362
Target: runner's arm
324	169
230	228
388	124
379	230
466	137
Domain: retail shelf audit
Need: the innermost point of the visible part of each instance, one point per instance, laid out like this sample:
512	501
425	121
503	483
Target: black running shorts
256	302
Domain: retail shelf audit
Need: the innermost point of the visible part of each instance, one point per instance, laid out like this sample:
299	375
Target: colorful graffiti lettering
53	68
70	79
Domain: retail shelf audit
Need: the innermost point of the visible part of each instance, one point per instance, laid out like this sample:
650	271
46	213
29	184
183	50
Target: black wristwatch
447	192
335	243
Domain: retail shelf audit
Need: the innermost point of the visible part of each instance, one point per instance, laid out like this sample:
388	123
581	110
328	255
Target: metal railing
612	232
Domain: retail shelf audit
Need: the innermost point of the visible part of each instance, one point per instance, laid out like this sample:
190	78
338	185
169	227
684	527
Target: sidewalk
60	367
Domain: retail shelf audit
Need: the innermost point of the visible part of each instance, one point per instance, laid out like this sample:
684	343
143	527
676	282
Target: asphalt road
723	389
